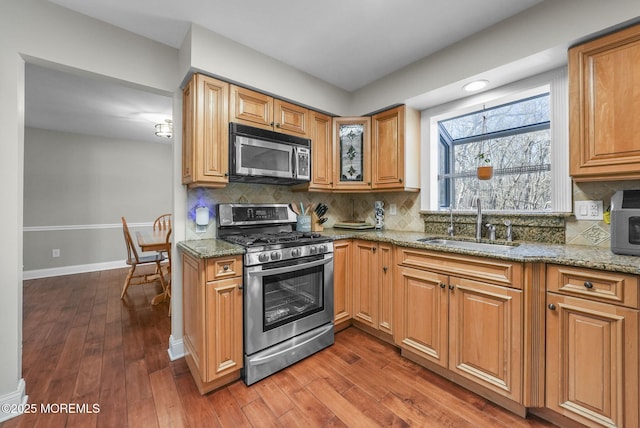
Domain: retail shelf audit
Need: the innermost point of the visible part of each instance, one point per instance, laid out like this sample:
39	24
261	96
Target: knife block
315	225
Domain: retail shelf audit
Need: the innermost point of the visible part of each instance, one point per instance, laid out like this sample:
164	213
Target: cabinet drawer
484	269
610	287
224	267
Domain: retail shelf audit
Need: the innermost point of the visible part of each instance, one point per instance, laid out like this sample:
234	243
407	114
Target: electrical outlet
588	210
393	209
55	252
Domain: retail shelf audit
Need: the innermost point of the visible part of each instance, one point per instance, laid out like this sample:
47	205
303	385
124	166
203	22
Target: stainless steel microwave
261	156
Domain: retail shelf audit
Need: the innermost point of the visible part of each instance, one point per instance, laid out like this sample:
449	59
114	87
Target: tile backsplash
342	206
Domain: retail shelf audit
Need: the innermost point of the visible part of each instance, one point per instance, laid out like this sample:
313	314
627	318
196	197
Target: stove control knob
263	257
323	249
313	249
295	252
275	255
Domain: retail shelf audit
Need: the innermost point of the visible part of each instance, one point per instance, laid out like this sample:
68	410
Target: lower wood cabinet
342	283
373	285
592	346
469	328
212	311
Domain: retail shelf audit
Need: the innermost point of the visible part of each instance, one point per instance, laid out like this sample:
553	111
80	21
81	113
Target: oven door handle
287	269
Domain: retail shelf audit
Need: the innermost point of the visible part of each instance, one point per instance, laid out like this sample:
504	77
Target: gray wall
76	188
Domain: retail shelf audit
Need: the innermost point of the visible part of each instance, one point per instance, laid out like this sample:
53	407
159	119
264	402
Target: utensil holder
315	223
303	223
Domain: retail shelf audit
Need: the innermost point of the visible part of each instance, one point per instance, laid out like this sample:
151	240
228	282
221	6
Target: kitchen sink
468	245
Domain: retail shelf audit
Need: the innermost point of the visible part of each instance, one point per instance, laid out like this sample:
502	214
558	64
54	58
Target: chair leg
127	281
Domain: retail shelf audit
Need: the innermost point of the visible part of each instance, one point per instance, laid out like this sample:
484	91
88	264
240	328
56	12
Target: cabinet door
352	153
321	152
193	304
365	283
421	313
592	361
342	281
485	335
290	118
251	108
224	324
387	148
206	132
385	294
604	96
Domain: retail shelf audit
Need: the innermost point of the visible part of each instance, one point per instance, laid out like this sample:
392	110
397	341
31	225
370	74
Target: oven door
284	299
255	157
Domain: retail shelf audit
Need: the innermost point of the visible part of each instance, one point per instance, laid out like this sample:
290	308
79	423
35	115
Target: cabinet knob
400	180
277	125
225	267
226	174
373	249
443	285
451	287
588	284
552	306
240	287
384	268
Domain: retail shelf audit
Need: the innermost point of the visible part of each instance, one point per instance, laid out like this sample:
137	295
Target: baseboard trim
16	400
70	270
176	348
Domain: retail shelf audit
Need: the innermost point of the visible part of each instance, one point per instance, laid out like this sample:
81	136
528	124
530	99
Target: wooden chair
163	222
134	259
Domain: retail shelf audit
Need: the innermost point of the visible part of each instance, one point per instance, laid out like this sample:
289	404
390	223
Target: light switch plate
588	210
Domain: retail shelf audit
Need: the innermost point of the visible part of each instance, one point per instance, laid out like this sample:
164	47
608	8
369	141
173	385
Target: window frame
554	82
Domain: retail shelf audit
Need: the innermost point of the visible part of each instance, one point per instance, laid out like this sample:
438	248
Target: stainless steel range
288	286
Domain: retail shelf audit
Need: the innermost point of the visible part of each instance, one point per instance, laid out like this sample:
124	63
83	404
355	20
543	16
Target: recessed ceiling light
476	85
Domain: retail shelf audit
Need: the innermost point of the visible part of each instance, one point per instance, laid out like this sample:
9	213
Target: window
442	152
515	139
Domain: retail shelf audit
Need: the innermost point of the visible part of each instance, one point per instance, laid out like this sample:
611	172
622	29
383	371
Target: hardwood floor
85	346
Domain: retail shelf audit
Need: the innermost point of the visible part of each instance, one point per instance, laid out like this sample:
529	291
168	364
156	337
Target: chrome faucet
479	220
491	231
450	228
509	230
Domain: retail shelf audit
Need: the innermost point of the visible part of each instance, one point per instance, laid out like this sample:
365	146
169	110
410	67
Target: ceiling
379	36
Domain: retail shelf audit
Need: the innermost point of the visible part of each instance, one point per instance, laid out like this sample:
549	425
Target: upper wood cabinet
395	149
379	153
351	154
205	132
604	100
321	132
262	111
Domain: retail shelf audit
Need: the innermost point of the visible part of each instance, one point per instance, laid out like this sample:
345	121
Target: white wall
36	30
76	189
529	43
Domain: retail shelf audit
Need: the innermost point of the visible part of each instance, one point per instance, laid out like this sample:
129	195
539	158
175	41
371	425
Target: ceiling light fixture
165	129
476	85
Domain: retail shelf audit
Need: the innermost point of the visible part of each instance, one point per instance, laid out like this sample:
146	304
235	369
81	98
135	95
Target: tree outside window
515	139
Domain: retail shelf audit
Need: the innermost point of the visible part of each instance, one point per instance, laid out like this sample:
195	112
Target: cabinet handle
384	268
552	306
443	285
588	284
451	287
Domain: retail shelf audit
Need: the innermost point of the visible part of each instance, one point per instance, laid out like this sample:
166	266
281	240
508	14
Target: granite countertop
570	255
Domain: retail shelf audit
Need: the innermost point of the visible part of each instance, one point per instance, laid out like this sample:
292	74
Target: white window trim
555	82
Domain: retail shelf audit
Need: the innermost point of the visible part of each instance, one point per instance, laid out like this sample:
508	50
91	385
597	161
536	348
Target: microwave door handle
294	166
288	269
